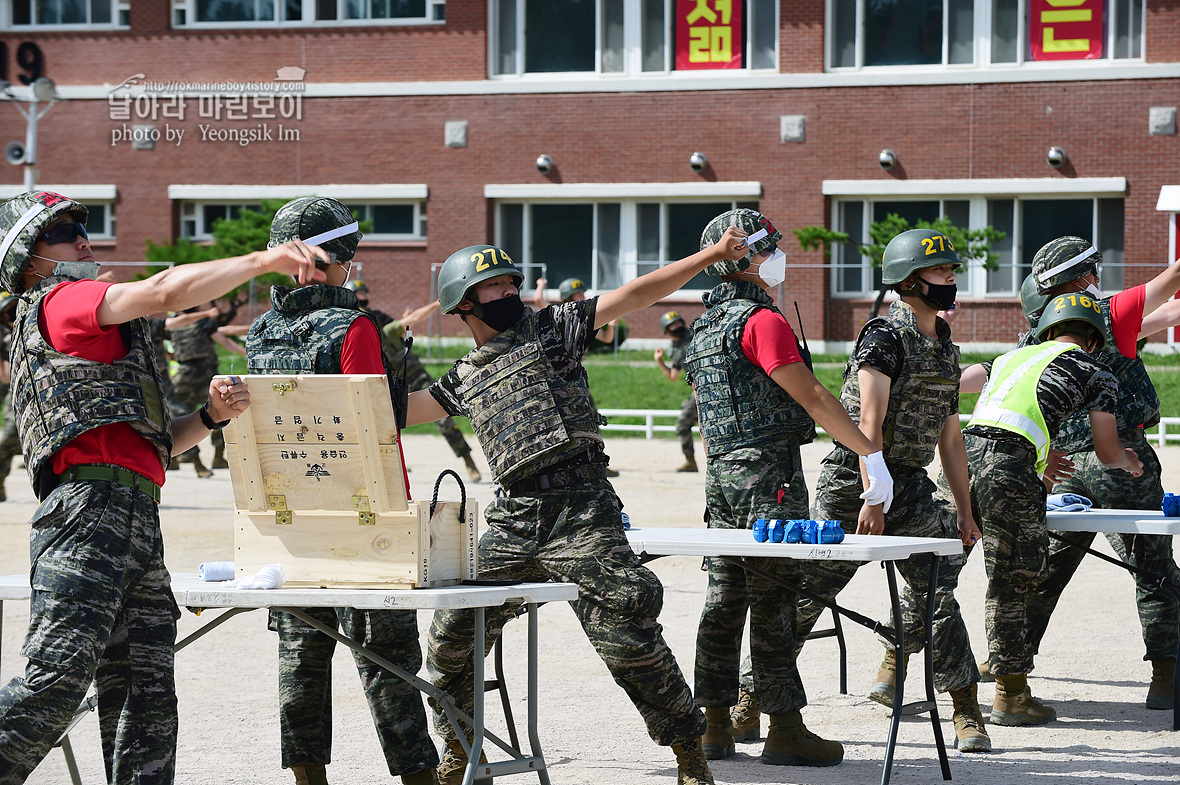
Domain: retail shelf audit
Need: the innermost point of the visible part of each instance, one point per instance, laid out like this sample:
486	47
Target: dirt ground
1091	667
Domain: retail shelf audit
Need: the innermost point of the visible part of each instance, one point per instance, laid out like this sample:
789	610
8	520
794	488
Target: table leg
929	648
477	702
534	697
899	679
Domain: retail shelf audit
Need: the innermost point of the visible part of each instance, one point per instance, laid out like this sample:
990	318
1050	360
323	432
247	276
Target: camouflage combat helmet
1032	302
22	220
569	287
356	285
913	250
1063	260
465	268
750	222
1073	307
308	217
668	318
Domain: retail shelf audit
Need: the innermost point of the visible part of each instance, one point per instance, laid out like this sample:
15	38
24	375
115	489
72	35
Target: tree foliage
972	245
815	237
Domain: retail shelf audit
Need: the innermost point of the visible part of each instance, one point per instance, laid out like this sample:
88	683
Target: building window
394	221
188	13
73	13
100	222
197	218
1027	223
866	34
631	36
605	243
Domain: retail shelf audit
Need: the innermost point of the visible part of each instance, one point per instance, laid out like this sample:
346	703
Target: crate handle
462	493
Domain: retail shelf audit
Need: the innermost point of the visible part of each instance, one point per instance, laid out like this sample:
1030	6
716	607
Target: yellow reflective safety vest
1009	399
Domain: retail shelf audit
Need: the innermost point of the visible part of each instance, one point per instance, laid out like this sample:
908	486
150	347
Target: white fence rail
1167	432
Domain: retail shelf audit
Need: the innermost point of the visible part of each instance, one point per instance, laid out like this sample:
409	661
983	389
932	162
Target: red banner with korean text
1065	29
709	34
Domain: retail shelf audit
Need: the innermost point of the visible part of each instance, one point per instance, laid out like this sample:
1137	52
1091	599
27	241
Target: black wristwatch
208	421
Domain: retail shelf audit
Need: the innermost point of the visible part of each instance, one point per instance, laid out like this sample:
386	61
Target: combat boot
3	493
691	766
612	472
472	470
985	672
202	470
454	764
423	777
689	465
219	461
885	686
1161	693
745	718
1015	705
718	739
969	733
789	743
310	775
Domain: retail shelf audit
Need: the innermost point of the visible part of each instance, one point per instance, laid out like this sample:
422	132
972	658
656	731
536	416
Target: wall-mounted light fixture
887	159
545	164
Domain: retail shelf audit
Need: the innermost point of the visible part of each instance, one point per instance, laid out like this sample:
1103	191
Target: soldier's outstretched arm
228	397
422	407
193	284
1161	288
1167	315
651	288
1109	448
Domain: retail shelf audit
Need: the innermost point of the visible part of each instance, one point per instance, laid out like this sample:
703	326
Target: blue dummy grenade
1171	505
760	530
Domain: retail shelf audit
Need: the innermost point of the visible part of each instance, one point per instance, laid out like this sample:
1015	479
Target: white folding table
738	545
193	593
1122	522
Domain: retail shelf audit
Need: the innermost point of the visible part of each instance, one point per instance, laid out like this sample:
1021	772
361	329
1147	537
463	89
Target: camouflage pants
9	442
1008	501
684	423
418	379
191	383
305	686
1159	612
740	487
914	513
101	611
574	534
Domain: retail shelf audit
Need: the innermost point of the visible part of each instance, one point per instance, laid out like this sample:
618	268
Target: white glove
880	481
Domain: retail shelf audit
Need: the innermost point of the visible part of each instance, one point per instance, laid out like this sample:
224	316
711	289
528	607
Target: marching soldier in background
558	518
320	328
672	324
97	437
757	399
901	385
9	441
1030	396
393	343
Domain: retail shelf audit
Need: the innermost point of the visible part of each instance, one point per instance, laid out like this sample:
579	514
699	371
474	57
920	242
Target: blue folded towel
1068	502
217	571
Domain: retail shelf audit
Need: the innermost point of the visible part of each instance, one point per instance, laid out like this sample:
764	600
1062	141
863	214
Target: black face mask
362	303
502	313
678	332
940	296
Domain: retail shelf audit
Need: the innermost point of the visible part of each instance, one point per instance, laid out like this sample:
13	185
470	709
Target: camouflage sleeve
1102	393
1074	382
880	348
446	391
566	332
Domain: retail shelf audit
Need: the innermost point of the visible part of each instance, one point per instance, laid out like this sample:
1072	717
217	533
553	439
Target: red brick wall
1160	30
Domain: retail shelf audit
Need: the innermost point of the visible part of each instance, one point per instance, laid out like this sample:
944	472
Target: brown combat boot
718	739
789	743
454	763
691	766
745	718
202	470
219	461
423	777
985	672
472	470
689	465
969	733
1015	705
310	775
1161	693
885	686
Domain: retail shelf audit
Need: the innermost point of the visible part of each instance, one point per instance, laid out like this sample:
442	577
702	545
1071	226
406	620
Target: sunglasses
63	233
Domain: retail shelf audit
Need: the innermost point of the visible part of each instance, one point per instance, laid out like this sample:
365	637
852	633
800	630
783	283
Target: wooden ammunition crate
319	487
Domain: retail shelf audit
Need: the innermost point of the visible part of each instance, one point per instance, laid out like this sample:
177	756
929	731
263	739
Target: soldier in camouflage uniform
1069	264
9	440
757	398
102	609
524	389
320	328
393	343
672	324
1030	393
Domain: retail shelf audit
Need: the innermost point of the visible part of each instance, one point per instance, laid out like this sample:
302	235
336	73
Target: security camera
15	153
1055	157
545	164
698	161
887	159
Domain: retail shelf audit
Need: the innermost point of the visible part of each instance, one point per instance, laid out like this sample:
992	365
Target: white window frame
982	32
632	44
120	18
364	212
629	196
973	279
88	194
184	14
